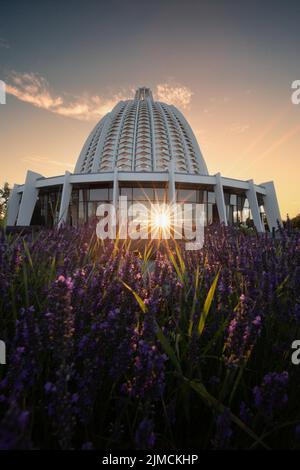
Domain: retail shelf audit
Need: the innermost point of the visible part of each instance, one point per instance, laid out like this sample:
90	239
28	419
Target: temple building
146	150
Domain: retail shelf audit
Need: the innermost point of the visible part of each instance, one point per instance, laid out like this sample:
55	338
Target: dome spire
142	93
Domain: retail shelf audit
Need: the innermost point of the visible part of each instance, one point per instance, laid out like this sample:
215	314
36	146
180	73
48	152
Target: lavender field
164	349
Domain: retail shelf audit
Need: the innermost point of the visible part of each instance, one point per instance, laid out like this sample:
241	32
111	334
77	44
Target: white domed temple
146	150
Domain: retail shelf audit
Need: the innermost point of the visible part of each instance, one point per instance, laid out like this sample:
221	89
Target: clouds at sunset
230	75
34	89
178	95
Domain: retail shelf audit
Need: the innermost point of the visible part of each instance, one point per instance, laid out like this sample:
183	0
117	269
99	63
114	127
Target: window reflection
237	209
84	203
200	196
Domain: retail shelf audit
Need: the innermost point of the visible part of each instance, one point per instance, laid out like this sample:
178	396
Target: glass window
81	213
201	196
230	215
240	202
186	195
233	199
100	194
74	215
82	196
142	194
260	199
75	195
147	206
216	218
92	209
127	192
160	194
209	214
211	198
235	216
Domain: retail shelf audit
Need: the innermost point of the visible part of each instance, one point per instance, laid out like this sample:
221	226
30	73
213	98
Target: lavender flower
144	436
85	367
223	433
243	331
271	396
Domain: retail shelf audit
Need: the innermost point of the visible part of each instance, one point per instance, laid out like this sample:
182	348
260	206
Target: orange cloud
178	95
34	89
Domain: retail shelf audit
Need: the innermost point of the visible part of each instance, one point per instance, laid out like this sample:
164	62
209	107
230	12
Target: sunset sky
227	65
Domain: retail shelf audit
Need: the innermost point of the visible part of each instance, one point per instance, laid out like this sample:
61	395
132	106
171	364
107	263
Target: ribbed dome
141	135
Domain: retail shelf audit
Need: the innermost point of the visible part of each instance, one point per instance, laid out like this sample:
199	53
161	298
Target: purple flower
245	413
297	431
87	446
243	332
48	387
14	432
144	436
85	363
223	432
271	396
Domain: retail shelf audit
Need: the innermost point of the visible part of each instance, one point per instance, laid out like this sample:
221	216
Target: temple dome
142	135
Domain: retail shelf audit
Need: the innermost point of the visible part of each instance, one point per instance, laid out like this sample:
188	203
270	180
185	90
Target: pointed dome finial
142	93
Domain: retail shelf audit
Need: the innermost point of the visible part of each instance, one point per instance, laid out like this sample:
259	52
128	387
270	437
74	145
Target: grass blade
167	348
214	403
207	304
137	297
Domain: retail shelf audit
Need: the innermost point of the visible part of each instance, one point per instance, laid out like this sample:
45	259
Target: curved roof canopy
141	135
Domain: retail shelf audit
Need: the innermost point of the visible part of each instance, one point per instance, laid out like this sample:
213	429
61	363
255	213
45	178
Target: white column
271	206
116	189
29	198
65	199
171	185
13	206
219	192
252	198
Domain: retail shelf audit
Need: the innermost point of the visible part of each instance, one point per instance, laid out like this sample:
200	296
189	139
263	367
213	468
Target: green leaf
137	297
177	269
167	348
146	257
26	249
193	309
207	304
181	261
211	401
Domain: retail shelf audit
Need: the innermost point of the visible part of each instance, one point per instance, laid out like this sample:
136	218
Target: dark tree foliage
4	195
